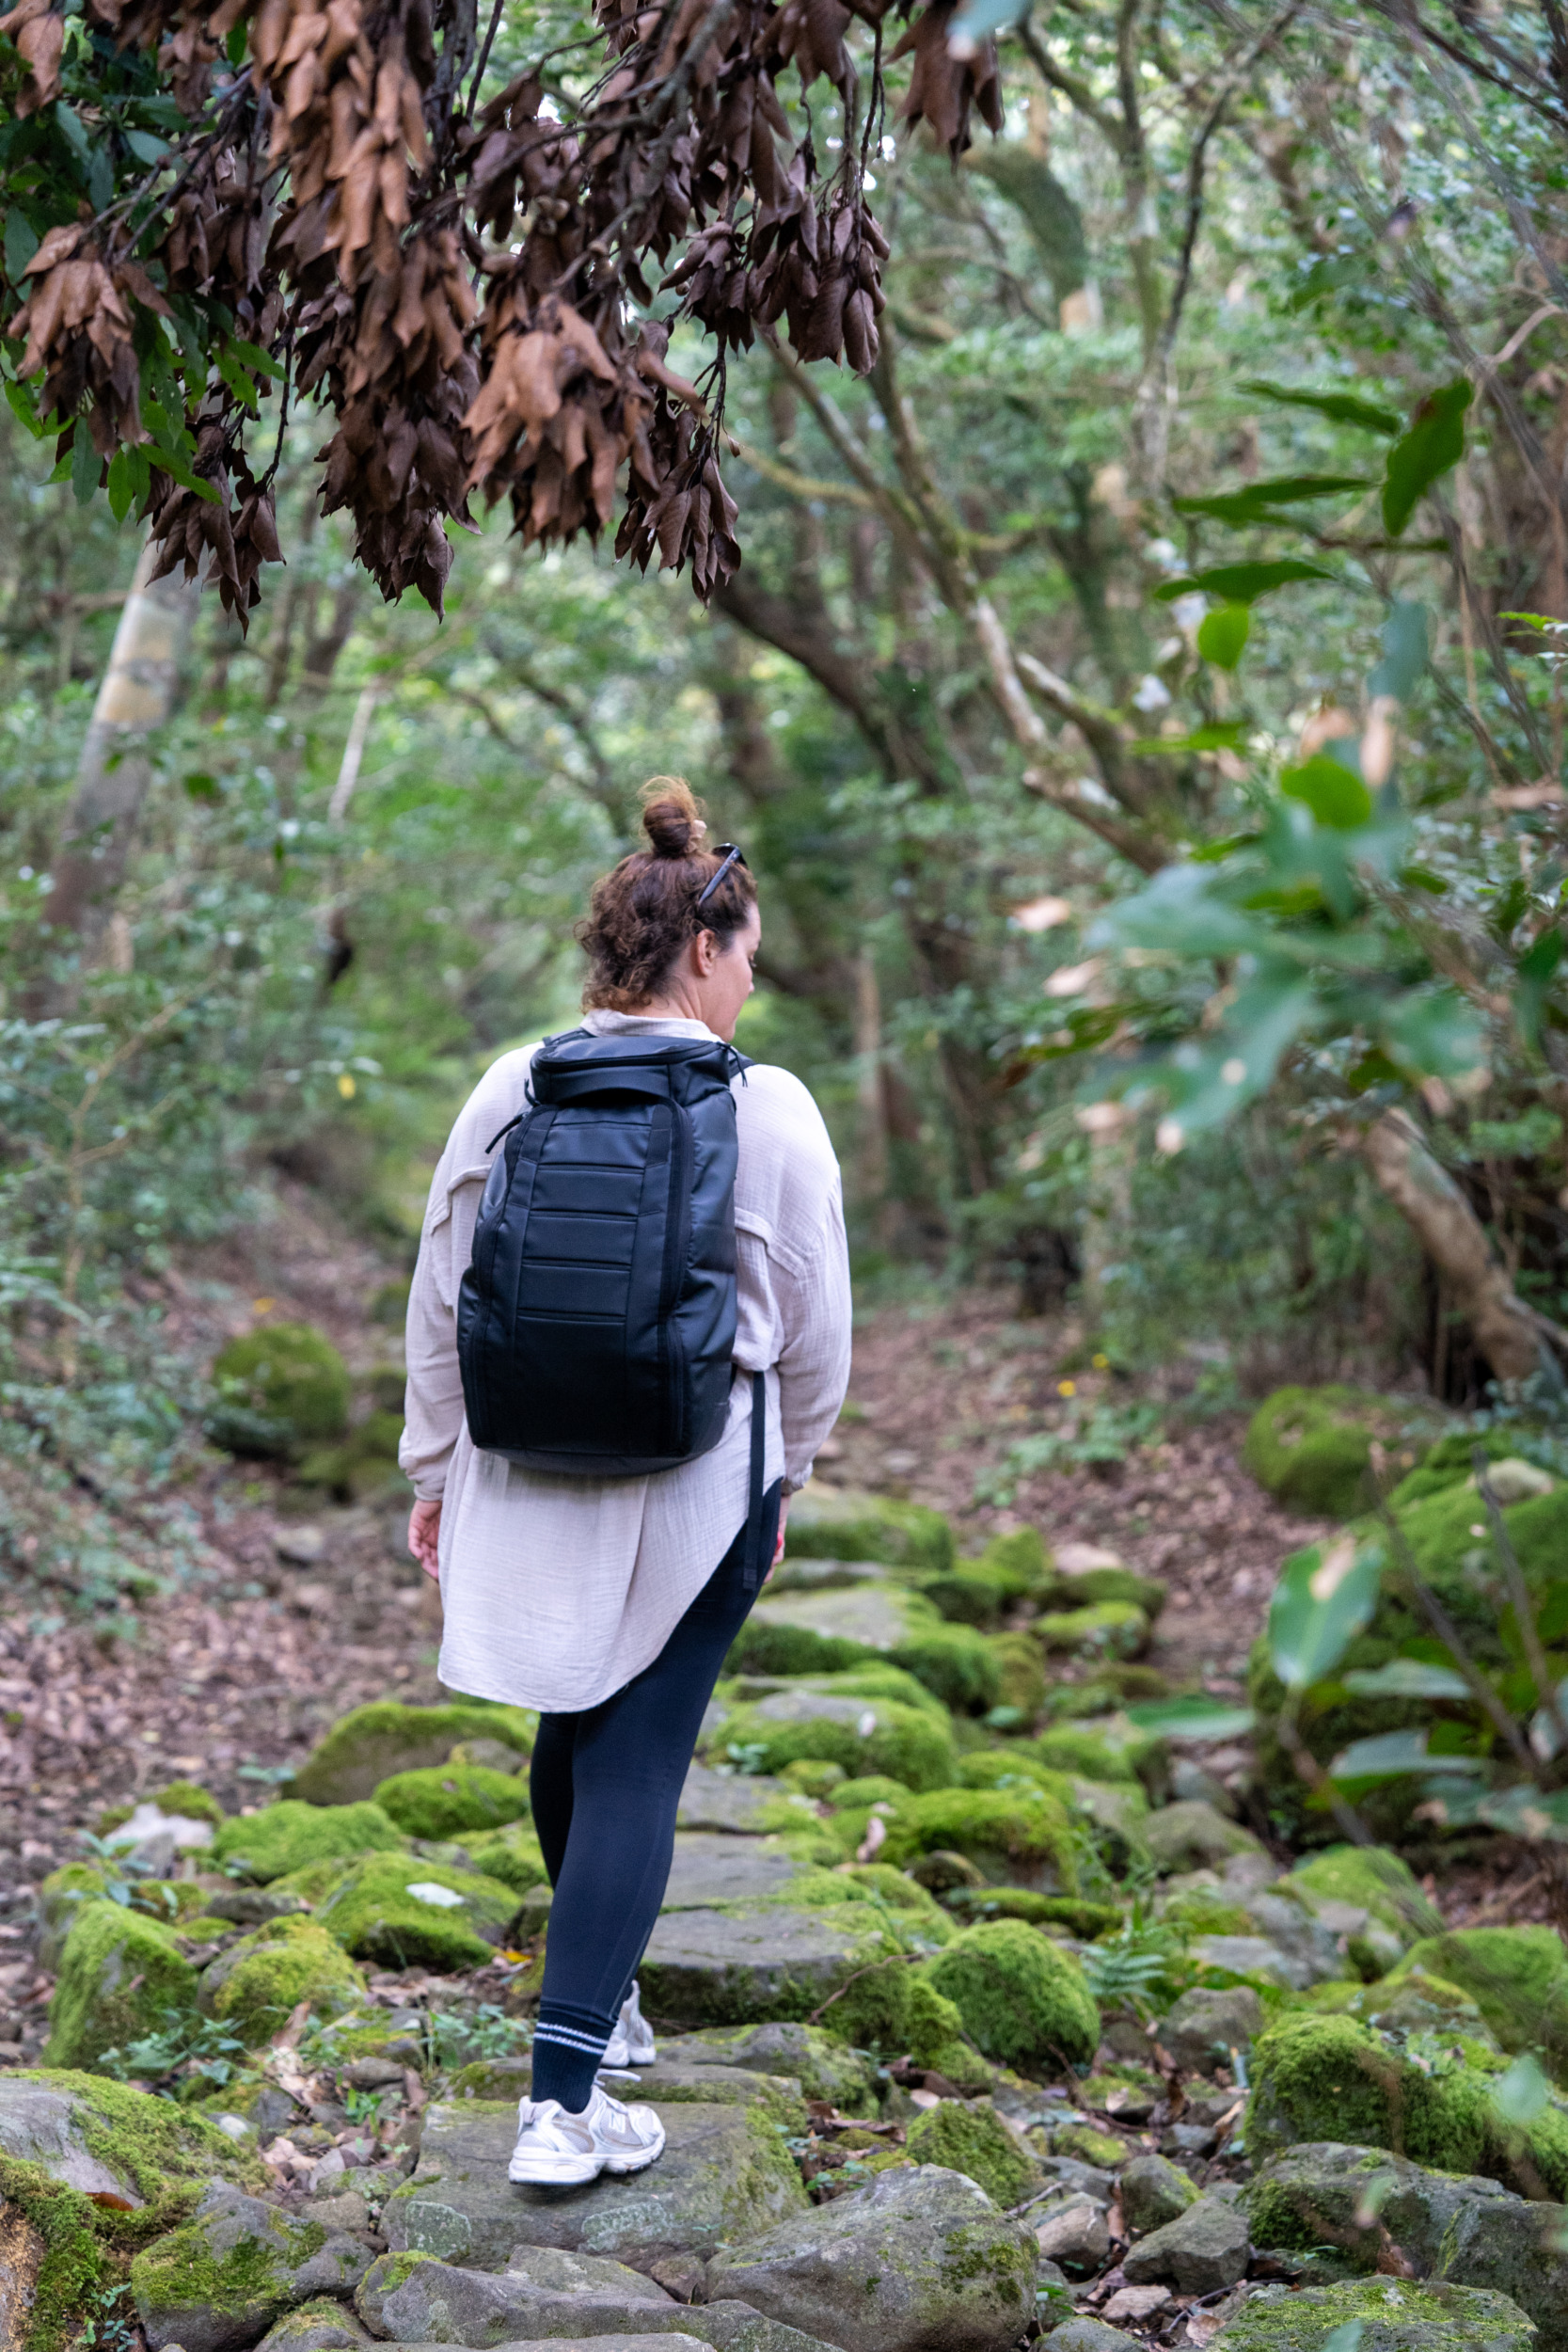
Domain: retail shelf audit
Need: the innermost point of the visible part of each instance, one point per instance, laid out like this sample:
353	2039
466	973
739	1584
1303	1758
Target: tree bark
1454	1238
136	697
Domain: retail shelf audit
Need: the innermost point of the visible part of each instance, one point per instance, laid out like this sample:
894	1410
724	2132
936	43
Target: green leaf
1521	2094
1435	1032
254	357
23	402
1345	2338
22	243
1324	1597
1404	650
86	464
1433	444
201	786
1242	583
1334	793
147	147
1338	408
1407	1678
1392	1754
122	484
1192	1719
177	465
1260	500
73	130
1222	635
1524	1812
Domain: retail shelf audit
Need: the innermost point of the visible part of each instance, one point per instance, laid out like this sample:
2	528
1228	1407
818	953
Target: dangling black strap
756	1567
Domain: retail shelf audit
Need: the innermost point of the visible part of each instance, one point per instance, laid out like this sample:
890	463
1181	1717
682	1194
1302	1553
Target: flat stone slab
796	1575
527	2304
726	1801
42	2126
711	1868
721	1968
878	1614
725	2173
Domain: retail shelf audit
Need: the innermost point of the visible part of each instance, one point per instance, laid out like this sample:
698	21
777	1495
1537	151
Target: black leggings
606	1784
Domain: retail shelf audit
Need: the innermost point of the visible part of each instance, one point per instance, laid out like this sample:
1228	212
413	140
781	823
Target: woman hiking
611	1396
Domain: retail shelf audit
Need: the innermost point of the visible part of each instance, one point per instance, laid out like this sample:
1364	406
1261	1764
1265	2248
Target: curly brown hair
642	913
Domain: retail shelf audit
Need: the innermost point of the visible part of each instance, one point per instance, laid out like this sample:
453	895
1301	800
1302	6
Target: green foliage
974	2141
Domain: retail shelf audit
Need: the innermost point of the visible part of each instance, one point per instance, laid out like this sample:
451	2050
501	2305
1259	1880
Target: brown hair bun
670	817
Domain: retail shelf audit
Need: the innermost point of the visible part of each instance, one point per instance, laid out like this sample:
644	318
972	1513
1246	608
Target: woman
608	1604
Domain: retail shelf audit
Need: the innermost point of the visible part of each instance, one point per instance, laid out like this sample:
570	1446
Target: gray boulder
709	1868
920	2260
1191	1836
1074	2233
233	2269
1202	2250
1090	2335
1153	2193
1360	2200
725	2173
823	2068
717	1968
44	2126
316	2326
1519	2250
546	2295
726	1801
1205	2027
1396	2315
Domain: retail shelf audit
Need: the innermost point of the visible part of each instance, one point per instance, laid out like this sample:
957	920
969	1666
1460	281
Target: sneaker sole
639	2163
555	2172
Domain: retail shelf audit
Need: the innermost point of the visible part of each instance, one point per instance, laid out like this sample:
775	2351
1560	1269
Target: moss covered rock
1311	1448
1391	2316
957	1664
409	1913
1022	1834
512	1857
975	2141
828	1524
362	1464
1107	1629
450	1800
258	1982
1344	1881
1320	2078
1090	1587
1517	1976
861	1733
369	1745
1024	2002
1021	1683
284	1838
278	1388
60	1896
226	2274
186	1798
122	1977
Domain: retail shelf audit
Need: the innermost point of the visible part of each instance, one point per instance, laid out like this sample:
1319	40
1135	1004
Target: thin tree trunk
872	1154
1472	1281
135	697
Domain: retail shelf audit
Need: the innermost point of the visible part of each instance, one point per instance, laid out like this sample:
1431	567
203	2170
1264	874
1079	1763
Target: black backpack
596	1324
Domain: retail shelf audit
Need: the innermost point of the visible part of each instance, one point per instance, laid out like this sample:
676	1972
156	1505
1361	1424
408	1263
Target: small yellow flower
1067	1388
1102	1363
263	1305
346	1087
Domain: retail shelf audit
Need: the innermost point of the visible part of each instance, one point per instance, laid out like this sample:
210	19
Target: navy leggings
605	1786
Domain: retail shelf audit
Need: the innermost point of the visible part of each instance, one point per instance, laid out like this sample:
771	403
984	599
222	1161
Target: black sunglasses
732	856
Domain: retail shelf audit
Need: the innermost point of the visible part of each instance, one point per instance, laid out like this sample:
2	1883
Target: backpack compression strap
754	1566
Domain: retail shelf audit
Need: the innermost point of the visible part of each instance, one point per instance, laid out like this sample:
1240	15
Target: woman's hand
778	1547
424	1532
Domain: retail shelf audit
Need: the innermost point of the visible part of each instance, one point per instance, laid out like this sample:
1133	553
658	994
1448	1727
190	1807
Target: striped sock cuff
590	2044
569	2050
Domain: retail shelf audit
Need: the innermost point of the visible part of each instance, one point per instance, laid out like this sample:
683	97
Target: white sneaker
632	2043
559	2150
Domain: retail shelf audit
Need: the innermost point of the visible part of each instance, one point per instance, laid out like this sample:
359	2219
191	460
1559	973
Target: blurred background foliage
1131	908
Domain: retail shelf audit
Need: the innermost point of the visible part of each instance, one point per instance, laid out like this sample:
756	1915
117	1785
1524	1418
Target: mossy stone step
1396	2315
711	1868
724	2174
717	1968
530	2303
880	1615
734	1802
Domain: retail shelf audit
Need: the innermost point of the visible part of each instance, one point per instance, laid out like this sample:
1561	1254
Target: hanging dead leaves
466	288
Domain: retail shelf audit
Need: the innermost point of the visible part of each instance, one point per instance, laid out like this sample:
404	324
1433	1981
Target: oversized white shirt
557	1590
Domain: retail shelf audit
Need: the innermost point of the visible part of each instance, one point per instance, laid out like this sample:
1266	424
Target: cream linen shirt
557	1591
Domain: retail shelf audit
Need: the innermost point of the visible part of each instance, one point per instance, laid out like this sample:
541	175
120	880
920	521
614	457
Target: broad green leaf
174	463
1524	1812
1392	1754
1345	2338
147	147
1537	970
1208	1083
254	357
122	487
1192	1719
1521	2094
1433	444
1179	911
1222	635
1242	583
1435	1032
1338	408
1219	735
25	406
1260	500
86	464
73	130
1324	1597
1334	793
22	242
1407	1678
1404	650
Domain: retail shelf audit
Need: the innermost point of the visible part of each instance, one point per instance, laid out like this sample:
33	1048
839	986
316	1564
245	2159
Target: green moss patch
1111	1629
149	2141
1311	1448
185	1797
369	1745
826	1524
121	1976
1022	1833
1023	2002
448	1800
364	1463
373	1915
954	1662
87	2248
279	1388
905	1743
1388	2315
1517	1976
258	1984
975	2141
512	1857
1092	1587
1370	1879
286	1836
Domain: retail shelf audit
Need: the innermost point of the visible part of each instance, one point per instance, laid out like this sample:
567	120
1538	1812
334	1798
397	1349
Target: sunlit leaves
1222	635
1334	793
1325	1597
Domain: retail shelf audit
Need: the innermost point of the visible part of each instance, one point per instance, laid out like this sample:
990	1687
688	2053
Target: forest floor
297	1611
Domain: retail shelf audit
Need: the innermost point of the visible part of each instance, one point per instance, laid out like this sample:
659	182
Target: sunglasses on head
732	856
